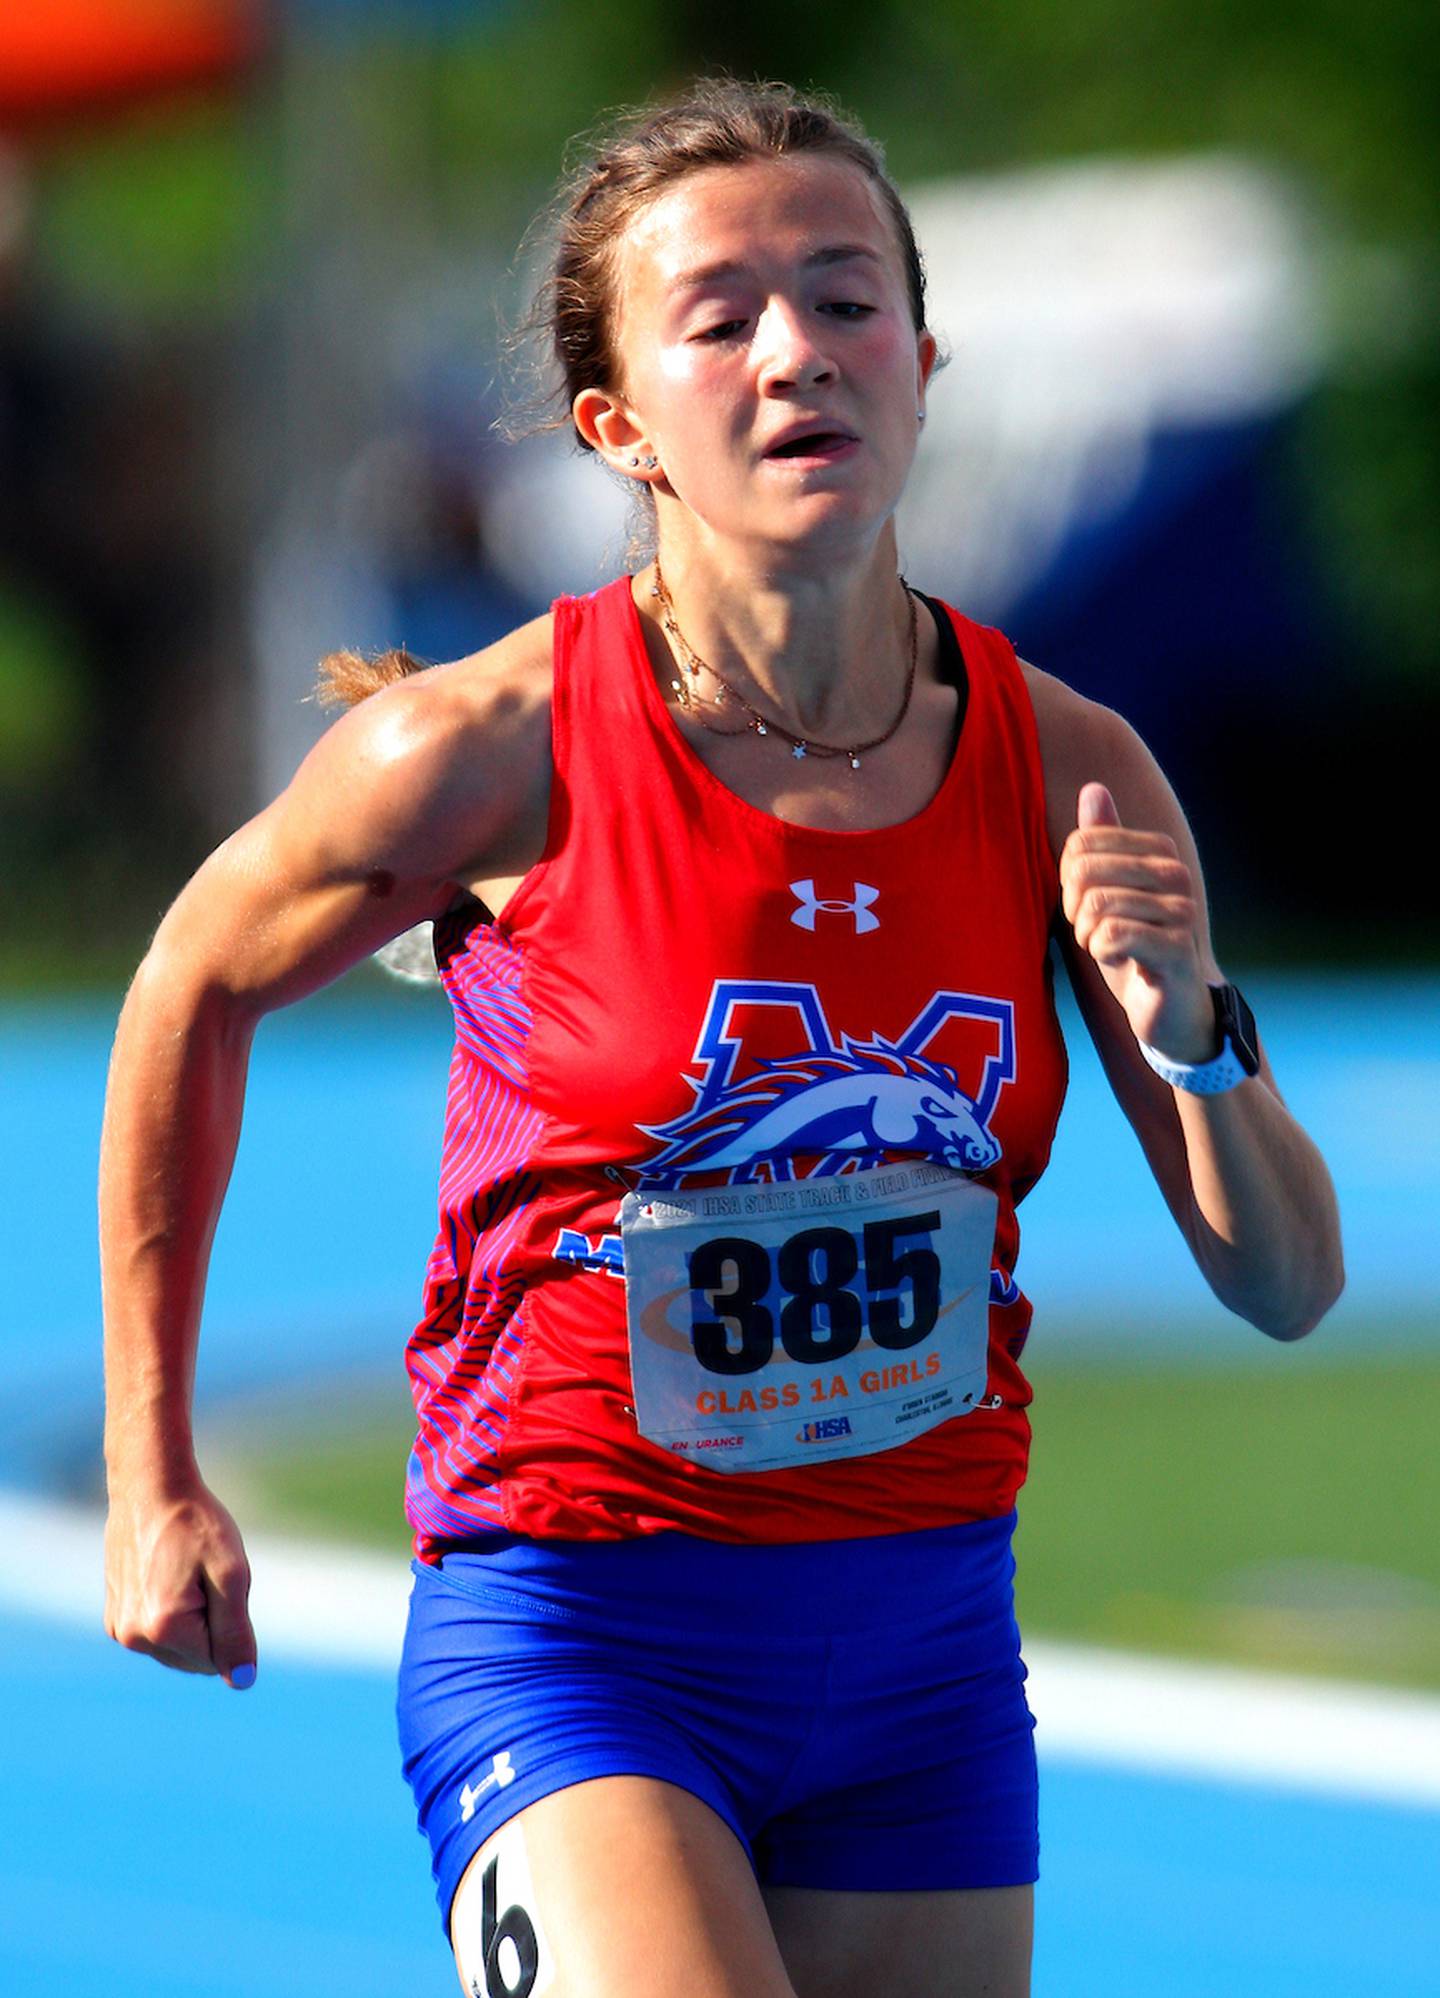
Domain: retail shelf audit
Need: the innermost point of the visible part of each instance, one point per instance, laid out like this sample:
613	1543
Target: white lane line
314	1603
1221	1723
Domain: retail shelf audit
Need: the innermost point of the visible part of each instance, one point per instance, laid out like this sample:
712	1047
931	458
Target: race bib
785	1324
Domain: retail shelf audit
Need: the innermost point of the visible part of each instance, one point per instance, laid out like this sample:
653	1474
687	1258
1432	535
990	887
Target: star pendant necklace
687	692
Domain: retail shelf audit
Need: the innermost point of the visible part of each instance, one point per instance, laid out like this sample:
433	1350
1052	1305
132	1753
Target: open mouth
814	444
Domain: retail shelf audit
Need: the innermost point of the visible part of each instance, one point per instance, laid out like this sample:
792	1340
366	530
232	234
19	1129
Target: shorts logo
811	904
776	1084
500	1774
824	1429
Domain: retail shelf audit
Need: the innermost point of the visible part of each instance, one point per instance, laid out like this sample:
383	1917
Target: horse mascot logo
847	1103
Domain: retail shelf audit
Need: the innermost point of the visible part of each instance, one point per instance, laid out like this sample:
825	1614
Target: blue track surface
164	1838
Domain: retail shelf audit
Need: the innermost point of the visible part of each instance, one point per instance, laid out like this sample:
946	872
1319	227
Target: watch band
1238	1059
1204	1078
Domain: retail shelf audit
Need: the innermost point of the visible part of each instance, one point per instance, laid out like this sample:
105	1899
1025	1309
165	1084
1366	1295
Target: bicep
363	844
270	916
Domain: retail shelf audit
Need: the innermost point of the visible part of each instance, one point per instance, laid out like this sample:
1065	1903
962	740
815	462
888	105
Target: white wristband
1205	1078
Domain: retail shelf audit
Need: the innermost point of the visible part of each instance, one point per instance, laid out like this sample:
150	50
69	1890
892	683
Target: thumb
232	1639
1096	808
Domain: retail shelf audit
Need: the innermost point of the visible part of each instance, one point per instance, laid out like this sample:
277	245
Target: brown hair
719	121
347	677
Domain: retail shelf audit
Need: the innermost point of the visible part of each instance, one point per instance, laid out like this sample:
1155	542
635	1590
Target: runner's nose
791	353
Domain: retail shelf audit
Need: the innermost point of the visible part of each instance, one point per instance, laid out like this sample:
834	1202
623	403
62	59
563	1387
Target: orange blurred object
60	58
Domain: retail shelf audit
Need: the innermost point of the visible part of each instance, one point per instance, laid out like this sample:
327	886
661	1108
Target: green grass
1284	1514
340	1476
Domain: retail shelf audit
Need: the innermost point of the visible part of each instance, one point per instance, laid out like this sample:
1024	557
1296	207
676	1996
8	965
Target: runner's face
806	324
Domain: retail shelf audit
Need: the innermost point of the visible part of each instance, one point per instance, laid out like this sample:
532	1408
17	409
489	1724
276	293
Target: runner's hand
177	1583
1132	904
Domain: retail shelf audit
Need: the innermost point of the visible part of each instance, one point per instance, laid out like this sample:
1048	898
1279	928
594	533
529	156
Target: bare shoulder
446	761
496	697
432	779
1082	741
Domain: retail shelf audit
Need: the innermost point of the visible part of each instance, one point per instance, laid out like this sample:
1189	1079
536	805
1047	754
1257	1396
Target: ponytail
346	678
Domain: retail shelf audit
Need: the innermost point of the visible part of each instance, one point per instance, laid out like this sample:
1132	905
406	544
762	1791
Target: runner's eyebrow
833	253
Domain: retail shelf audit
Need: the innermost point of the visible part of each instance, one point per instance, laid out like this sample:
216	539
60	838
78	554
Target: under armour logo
500	1774
859	908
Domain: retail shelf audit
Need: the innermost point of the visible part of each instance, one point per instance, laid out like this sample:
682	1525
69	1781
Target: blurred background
258	266
255	264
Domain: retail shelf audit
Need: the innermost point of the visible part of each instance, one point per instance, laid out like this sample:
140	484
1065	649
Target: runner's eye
721	331
847	306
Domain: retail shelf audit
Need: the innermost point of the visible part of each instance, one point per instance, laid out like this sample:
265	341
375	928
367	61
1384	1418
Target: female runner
743	871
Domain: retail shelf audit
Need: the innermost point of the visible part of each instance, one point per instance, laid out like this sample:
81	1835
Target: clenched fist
1131	901
177	1585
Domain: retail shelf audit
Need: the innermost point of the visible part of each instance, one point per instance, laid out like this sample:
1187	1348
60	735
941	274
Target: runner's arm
428	784
1247	1187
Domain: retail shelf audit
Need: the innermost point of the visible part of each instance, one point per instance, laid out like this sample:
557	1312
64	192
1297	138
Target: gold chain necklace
688	694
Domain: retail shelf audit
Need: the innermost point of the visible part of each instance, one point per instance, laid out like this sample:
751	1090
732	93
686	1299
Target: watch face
1236	1021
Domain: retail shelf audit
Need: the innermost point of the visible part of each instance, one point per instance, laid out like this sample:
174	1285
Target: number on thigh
619	1887
500	1946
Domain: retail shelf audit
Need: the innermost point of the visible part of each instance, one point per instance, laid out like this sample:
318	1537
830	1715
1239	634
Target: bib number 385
750	1307
833	1286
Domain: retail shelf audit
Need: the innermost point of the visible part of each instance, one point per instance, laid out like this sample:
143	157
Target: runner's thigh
621	1887
972	1942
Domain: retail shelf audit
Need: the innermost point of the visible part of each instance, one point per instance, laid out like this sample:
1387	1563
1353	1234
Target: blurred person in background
743	872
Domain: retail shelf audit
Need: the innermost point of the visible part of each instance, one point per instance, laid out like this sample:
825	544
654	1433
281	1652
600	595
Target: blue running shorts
853	1709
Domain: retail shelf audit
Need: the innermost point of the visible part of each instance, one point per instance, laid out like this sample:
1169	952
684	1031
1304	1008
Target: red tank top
687	991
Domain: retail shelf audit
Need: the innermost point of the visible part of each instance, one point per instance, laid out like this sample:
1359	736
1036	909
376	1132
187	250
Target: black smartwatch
1236	1024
